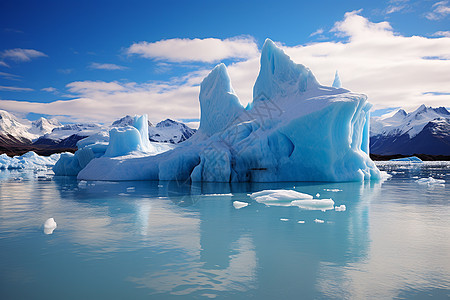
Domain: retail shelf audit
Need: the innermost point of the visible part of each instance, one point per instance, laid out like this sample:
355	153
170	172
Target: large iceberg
294	130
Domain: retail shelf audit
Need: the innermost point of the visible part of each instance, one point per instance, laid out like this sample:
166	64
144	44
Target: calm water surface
169	240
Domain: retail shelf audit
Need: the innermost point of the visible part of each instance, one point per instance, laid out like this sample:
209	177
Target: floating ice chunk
49	226
319	221
315	204
124	194
301	222
239	204
82	184
284	220
413	159
279	197
340	208
317	195
430	181
131	189
217	195
332	190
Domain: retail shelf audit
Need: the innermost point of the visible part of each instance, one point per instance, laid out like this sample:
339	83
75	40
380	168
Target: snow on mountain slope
10	125
170	131
68	135
406	123
423	131
43	126
295	130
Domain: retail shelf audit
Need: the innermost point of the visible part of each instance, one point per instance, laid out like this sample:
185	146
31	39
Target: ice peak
337	81
279	75
219	103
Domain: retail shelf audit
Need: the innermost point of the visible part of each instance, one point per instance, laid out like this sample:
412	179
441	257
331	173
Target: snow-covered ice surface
294	130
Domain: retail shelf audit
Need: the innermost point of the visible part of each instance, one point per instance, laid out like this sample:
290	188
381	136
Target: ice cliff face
295	130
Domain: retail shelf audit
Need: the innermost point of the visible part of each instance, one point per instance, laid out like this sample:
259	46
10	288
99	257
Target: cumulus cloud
200	50
106	66
14	89
439	11
21	55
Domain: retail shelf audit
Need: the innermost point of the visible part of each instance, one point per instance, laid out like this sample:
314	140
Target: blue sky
99	60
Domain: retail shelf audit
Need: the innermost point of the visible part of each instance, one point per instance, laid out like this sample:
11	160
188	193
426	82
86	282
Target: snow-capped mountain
67	136
13	129
43	126
170	131
423	131
167	131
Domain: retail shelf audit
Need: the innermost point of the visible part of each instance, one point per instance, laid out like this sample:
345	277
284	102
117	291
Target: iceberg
295	129
130	139
29	160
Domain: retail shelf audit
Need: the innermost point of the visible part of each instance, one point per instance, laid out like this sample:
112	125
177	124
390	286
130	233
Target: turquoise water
171	240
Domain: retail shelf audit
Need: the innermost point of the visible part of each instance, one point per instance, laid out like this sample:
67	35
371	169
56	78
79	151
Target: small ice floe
49	226
319	221
430	181
160	185
301	222
332	190
314	204
131	189
124	194
340	208
239	204
284	220
278	197
217	195
292	198
317	195
415	177
43	177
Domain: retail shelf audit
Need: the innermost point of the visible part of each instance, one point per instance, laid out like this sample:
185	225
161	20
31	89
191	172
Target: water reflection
174	238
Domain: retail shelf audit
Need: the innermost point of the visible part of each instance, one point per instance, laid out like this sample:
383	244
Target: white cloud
317	32
106	66
49	89
442	33
2	63
21	55
440	10
14	89
201	50
10	76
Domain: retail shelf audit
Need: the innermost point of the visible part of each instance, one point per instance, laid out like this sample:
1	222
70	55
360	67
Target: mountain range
46	136
423	131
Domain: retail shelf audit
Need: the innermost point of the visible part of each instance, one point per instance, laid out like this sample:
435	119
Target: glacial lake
175	240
